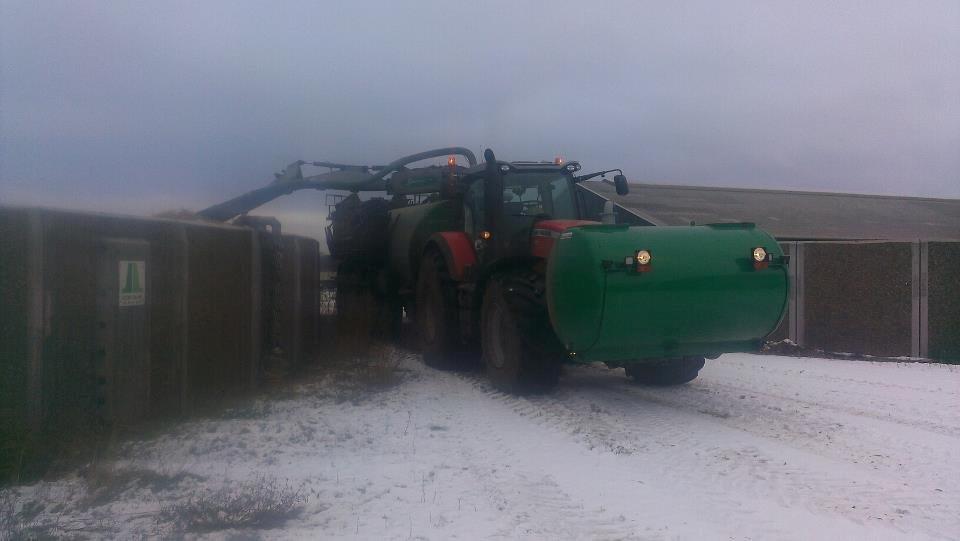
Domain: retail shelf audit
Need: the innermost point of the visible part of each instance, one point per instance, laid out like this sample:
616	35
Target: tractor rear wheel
672	372
515	359
436	314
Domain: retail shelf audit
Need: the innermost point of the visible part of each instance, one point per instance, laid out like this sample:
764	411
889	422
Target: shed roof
792	215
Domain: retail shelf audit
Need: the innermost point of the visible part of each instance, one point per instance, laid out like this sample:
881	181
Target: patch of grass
261	503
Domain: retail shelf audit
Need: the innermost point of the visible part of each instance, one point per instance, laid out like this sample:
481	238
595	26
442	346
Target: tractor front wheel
513	361
671	372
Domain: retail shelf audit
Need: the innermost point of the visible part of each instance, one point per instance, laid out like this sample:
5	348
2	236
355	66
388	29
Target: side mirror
620	183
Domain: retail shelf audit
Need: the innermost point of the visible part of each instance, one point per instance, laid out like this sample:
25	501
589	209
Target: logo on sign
132	278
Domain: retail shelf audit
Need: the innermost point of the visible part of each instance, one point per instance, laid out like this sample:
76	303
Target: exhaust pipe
493	204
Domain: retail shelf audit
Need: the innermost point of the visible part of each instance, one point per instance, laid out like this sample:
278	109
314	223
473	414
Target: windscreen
539	194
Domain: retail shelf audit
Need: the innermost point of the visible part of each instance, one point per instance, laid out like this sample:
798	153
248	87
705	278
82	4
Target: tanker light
558	160
642	259
761	259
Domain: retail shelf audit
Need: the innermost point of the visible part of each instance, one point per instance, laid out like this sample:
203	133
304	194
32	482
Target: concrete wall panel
220	328
943	297
858	297
14	346
310	296
298	307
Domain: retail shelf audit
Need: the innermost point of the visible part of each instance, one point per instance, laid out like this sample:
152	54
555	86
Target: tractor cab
517	209
502	214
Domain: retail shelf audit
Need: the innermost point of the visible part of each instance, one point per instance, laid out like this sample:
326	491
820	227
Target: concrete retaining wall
79	354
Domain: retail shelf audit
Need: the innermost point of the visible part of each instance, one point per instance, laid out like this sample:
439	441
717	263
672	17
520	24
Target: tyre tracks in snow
508	458
741	448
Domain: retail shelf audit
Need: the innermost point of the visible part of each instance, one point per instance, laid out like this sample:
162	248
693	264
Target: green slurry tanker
502	258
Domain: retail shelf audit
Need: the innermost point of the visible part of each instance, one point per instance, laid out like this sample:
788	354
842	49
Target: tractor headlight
759	254
643	257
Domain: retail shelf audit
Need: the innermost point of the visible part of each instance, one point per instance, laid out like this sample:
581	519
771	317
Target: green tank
410	228
701	294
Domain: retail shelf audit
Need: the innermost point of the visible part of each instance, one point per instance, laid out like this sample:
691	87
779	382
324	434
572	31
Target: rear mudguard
701	294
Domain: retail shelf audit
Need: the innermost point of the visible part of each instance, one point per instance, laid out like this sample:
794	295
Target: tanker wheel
672	372
514	358
436	315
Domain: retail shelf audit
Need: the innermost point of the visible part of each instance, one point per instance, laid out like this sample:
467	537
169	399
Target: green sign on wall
132	280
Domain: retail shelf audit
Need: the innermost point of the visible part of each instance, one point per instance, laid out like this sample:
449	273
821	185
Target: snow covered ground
759	447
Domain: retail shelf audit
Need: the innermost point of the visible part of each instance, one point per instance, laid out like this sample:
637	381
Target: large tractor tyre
437	321
516	357
673	372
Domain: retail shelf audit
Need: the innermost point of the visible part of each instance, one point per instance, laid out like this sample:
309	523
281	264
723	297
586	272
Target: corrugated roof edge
795	192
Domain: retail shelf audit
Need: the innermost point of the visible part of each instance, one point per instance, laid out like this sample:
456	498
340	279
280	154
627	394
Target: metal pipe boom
354	178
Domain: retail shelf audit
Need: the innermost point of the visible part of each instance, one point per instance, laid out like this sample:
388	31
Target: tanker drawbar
624	294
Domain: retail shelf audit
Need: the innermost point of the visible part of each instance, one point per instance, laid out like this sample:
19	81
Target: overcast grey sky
151	105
